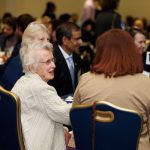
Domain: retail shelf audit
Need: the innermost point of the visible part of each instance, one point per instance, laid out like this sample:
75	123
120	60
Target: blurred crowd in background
96	17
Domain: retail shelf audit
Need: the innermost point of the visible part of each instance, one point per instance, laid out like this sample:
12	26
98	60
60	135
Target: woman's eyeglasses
49	61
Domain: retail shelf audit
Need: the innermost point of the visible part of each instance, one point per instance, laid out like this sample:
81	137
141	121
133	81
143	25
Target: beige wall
137	8
36	7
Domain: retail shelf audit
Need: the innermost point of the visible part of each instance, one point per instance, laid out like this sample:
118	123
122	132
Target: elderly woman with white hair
43	112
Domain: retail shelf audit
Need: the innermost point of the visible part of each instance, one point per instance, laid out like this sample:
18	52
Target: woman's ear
32	68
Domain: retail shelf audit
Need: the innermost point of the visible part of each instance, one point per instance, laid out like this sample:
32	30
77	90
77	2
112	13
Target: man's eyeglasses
49	61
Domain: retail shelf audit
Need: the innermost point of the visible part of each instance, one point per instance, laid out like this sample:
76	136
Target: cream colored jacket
43	114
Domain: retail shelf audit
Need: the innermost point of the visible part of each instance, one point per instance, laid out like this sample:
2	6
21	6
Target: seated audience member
146	60
65	17
8	39
129	21
116	76
88	34
86	50
43	112
68	37
34	31
6	15
140	41
3	17
22	22
141	24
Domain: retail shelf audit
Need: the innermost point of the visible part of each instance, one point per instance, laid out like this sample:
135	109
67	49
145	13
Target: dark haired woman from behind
116	76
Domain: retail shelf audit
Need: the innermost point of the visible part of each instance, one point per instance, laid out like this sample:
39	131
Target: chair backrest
104	126
10	121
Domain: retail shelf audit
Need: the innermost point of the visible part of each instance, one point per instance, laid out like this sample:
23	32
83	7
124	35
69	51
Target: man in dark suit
68	42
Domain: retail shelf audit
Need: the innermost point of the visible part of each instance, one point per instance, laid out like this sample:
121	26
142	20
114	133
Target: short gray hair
30	53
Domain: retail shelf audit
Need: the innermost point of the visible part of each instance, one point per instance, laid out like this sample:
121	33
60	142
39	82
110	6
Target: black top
106	20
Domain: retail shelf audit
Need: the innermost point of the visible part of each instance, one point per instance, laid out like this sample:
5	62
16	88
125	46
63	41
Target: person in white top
43	112
88	11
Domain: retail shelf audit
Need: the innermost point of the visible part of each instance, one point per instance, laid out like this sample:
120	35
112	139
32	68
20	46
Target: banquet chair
104	126
10	122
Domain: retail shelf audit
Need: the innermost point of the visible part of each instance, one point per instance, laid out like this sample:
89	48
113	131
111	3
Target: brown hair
116	55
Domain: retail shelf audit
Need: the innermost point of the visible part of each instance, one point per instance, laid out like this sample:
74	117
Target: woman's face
46	65
8	30
140	42
43	37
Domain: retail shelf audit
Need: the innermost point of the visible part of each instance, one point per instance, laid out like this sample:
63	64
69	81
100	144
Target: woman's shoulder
34	81
89	75
139	79
144	78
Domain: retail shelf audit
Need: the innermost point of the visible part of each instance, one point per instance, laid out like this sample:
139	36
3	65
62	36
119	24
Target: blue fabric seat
104	126
10	122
